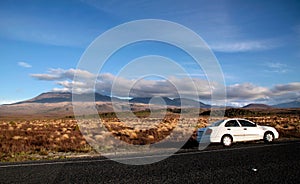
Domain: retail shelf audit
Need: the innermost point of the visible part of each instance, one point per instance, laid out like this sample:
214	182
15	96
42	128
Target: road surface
243	163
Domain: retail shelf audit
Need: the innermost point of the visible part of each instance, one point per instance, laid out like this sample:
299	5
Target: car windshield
217	123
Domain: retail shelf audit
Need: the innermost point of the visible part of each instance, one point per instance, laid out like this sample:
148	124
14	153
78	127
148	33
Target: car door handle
245	128
228	129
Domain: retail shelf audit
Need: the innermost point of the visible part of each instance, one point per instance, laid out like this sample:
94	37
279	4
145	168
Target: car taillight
208	131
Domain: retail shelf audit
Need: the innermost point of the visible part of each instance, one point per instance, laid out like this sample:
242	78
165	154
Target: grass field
57	138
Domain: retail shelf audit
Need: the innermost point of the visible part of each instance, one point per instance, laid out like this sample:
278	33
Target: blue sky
257	43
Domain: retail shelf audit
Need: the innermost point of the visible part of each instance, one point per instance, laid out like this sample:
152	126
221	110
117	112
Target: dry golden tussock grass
21	138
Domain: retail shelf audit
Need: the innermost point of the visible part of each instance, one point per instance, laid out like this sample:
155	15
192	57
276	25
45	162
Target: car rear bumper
208	139
202	138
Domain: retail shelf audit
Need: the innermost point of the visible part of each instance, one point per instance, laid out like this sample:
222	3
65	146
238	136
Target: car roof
235	119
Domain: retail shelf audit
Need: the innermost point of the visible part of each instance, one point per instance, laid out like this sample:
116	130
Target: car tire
268	137
226	140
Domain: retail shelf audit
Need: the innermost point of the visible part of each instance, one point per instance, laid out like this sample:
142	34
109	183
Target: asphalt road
243	163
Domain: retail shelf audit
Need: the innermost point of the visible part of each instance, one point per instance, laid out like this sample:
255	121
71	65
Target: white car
233	130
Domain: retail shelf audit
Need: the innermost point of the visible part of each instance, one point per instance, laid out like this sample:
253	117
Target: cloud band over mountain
237	94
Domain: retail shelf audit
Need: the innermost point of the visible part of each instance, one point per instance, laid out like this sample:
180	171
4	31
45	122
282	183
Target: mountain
50	97
191	103
59	97
54	104
59	104
292	104
172	102
56	97
257	106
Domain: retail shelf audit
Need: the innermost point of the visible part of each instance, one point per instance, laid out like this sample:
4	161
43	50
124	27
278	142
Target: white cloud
236	94
60	74
136	87
24	64
286	88
276	67
243	46
247	91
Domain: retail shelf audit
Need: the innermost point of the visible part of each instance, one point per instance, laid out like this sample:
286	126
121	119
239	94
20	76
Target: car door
233	128
251	132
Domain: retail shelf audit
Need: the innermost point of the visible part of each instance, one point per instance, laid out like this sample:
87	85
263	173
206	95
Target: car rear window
232	123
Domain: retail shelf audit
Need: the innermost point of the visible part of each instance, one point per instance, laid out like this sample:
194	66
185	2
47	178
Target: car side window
232	123
245	123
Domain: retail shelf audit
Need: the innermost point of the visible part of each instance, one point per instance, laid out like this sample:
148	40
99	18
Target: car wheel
268	137
227	140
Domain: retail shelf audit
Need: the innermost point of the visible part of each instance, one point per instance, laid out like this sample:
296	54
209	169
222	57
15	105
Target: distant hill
191	103
257	106
59	104
293	104
234	112
50	97
172	102
56	97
